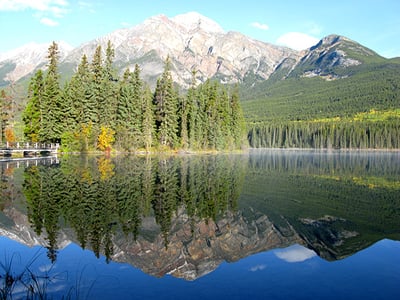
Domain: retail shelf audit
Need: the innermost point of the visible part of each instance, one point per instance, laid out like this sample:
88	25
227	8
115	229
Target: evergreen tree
33	114
238	126
212	122
123	111
129	110
192	111
109	89
148	124
52	117
166	105
83	105
96	69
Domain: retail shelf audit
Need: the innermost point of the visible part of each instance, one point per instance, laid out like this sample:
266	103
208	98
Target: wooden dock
6	163
27	149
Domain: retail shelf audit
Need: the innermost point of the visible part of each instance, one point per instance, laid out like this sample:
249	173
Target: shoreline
203	152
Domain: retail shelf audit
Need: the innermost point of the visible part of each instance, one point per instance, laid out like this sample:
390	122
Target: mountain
22	61
192	41
333	57
337	77
195	42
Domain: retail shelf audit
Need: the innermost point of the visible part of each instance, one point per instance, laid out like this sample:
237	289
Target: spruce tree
166	105
52	117
148	124
238	125
124	111
192	111
96	69
137	108
33	114
84	107
109	89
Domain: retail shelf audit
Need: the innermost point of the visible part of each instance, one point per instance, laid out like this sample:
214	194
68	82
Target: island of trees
98	110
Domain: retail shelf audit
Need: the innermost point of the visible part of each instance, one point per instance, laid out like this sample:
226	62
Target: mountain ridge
193	42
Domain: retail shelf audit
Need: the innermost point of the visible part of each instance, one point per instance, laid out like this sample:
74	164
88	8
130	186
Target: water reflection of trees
352	163
96	196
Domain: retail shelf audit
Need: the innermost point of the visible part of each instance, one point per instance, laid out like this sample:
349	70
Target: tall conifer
166	105
52	117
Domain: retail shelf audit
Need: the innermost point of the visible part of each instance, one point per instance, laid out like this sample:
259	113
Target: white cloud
54	6
260	26
87	6
297	40
49	22
295	253
44	10
258	268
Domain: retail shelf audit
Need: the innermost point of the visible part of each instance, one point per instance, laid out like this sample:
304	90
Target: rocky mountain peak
194	42
332	56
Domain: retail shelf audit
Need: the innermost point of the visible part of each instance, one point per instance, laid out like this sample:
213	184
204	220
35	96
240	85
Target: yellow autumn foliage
106	138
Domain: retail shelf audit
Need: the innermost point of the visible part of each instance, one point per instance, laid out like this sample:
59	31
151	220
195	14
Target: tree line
333	134
98	109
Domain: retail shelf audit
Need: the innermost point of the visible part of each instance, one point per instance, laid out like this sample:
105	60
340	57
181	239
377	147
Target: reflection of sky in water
295	253
373	273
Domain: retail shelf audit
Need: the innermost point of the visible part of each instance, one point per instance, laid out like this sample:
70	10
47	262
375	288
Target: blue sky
373	23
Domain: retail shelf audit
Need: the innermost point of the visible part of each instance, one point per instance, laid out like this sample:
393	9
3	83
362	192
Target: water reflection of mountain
185	215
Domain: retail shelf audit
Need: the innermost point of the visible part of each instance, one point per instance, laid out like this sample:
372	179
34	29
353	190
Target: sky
296	24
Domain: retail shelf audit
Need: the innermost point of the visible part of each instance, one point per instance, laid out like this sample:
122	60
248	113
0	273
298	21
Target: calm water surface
271	224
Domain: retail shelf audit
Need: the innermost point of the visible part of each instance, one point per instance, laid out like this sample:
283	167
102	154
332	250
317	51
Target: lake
268	224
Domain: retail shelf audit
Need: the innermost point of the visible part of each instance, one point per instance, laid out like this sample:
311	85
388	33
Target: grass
24	283
21	283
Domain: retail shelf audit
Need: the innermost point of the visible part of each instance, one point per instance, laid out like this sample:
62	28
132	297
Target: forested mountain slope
340	94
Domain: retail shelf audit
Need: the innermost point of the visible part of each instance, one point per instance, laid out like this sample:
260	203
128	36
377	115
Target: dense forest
99	110
375	130
360	110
